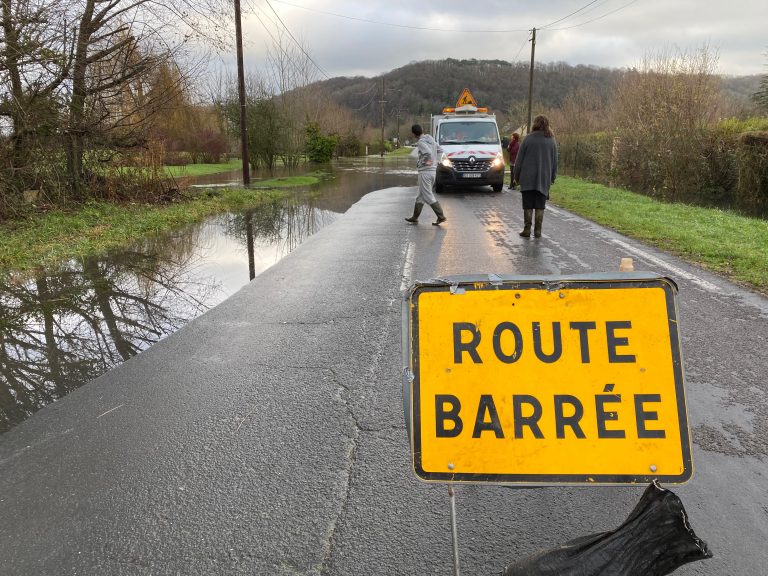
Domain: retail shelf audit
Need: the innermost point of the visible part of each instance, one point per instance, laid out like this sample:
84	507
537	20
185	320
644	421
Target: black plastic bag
654	540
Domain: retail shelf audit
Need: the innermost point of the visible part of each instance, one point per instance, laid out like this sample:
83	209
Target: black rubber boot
416	213
439	213
537	225
527	219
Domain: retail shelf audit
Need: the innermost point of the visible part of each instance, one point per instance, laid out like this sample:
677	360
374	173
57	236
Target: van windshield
468	133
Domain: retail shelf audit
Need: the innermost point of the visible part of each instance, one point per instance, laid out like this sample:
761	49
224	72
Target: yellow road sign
465	99
526	380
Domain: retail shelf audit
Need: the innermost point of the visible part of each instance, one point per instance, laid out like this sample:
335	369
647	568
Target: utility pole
382	116
397	114
241	96
530	82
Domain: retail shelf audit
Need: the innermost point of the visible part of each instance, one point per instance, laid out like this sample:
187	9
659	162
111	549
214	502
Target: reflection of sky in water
224	257
61	327
391	171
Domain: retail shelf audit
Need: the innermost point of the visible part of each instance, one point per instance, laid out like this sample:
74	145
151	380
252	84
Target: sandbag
654	540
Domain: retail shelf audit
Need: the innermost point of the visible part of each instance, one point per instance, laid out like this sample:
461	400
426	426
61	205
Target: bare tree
82	74
65	327
661	112
761	96
35	47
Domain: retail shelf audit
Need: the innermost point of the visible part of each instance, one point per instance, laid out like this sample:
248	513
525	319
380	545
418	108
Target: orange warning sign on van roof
466	98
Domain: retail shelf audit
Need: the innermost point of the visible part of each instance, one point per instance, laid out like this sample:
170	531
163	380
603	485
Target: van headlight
445	161
498	161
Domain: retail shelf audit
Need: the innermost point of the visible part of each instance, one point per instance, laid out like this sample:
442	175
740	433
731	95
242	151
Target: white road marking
655	260
407	267
110	410
672	268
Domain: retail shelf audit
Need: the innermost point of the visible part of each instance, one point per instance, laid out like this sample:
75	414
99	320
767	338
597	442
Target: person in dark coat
535	170
512	148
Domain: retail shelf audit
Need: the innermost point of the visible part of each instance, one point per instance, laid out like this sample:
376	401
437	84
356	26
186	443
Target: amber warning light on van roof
466	110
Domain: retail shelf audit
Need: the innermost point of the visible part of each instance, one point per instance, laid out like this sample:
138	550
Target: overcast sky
342	40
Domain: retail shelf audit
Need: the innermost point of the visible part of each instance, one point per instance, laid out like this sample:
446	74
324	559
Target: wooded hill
423	88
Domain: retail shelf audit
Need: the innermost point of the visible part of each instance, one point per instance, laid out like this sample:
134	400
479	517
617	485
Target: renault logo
472	160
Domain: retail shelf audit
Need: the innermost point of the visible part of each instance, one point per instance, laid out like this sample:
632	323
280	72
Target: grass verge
402	151
727	243
206	169
97	227
203	169
289	181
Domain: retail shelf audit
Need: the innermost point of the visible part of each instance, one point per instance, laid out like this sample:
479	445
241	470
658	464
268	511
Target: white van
472	154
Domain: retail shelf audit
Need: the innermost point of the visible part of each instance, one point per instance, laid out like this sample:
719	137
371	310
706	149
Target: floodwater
64	326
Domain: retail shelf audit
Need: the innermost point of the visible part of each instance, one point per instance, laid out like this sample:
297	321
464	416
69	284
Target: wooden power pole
382	116
241	96
530	82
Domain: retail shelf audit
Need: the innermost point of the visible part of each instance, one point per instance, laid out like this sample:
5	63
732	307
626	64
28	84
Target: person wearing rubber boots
535	171
427	154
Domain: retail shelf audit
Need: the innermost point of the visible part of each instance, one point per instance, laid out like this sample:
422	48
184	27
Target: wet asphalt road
267	436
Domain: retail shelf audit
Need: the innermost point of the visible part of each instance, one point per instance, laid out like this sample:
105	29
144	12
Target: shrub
178	159
319	148
662	113
585	155
350	145
211	145
752	189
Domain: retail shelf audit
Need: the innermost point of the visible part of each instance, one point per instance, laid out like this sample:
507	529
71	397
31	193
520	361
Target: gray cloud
734	30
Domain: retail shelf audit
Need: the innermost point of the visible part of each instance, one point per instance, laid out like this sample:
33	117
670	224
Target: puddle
66	325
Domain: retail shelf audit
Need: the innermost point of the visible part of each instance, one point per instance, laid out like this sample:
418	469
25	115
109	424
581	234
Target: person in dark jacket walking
535	170
513	147
427	156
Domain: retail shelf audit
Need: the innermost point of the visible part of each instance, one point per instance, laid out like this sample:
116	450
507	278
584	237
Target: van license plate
471	175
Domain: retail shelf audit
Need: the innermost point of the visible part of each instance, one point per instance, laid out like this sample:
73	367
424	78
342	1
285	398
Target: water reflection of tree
282	222
64	327
61	328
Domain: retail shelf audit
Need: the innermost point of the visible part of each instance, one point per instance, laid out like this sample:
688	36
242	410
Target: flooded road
63	326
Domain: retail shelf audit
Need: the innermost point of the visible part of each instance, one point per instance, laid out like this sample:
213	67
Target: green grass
289	181
402	151
727	243
100	226
206	169
203	169
96	227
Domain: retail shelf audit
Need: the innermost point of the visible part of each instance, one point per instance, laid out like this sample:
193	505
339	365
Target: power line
525	41
323	72
366	105
379	22
569	15
370	88
593	9
587	5
595	19
279	45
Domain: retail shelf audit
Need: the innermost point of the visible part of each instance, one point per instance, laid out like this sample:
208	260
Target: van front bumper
450	176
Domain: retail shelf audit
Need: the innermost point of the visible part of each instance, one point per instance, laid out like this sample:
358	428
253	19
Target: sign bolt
450	466
653	467
562	295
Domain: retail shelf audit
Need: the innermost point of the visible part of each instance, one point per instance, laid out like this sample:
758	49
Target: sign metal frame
458	285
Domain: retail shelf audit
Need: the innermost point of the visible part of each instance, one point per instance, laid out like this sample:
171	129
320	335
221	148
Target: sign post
542	381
